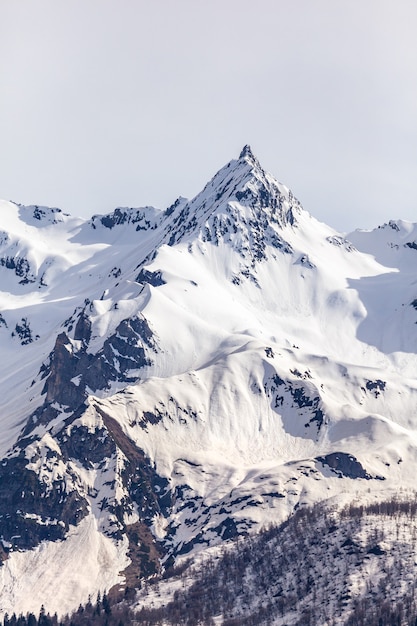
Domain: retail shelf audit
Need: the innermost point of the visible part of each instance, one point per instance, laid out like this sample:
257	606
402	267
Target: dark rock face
218	219
246	152
33	510
139	217
149	492
90	447
52	215
82	330
376	387
170	210
145	487
298	396
38	501
64	365
72	368
152	278
345	465
24	332
21	267
250	237
124	351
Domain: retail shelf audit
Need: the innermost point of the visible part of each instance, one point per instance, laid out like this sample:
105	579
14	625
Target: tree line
307	568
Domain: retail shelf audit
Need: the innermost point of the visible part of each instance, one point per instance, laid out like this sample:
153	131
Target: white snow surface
62	575
253	290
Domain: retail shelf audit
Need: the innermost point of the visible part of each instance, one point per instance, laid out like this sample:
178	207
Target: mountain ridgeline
176	381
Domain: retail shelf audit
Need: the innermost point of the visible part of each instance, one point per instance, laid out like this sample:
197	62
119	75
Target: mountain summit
242	205
247	155
175	379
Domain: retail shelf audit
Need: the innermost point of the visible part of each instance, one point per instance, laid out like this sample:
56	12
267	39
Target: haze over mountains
171	380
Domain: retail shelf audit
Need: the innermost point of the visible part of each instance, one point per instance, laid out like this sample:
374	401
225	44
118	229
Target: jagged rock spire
247	155
246	152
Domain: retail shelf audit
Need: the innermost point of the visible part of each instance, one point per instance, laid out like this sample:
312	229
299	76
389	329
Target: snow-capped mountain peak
241	202
246	155
173	379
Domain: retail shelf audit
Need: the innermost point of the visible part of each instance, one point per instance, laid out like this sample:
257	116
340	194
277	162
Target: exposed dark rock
150	418
246	152
302	400
82	330
392	224
52	215
280	244
120	216
89	447
21	267
35	506
122	352
278	380
227	529
32	510
24	332
115	272
42	415
144	552
248	232
151	494
152	278
72	369
341	242
65	366
146	488
305	262
344	465
170	210
117	217
375	386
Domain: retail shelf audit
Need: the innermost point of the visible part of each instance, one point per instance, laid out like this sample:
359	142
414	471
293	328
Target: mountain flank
184	386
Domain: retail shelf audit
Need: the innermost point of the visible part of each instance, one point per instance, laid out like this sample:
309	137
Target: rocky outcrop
36	505
72	368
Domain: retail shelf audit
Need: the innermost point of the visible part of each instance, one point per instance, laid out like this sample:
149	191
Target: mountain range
173	380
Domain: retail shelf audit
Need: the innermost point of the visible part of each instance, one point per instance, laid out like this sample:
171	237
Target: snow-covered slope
171	379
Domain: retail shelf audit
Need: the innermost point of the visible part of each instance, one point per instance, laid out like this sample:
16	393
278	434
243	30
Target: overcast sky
107	103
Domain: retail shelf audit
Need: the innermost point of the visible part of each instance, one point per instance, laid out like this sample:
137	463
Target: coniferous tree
106	604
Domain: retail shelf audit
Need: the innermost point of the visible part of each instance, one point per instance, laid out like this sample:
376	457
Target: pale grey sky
107	103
